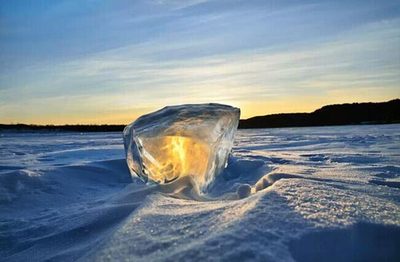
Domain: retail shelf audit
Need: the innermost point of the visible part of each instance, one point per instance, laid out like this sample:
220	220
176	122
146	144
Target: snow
290	194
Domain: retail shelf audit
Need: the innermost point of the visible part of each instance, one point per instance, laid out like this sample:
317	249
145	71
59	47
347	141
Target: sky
96	62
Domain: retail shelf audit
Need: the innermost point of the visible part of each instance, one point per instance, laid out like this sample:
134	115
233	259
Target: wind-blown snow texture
321	193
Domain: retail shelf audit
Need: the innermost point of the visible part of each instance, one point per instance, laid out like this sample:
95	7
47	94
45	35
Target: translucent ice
176	141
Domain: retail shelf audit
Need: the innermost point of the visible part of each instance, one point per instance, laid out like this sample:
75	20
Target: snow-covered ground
318	194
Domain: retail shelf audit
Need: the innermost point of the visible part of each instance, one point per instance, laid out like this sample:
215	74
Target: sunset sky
111	61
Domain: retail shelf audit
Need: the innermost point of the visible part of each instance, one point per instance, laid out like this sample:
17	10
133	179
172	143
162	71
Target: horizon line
124	124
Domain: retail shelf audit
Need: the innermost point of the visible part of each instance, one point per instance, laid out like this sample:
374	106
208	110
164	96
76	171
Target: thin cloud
241	55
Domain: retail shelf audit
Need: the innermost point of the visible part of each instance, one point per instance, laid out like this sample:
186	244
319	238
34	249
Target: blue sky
111	61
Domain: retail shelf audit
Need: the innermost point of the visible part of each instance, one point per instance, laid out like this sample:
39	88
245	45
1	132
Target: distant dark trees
70	128
344	114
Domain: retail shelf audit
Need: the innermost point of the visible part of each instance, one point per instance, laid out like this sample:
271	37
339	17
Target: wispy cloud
232	56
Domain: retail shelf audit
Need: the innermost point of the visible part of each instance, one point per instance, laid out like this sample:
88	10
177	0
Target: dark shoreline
61	128
330	115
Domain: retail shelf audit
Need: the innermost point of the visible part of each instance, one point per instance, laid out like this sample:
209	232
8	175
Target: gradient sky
111	61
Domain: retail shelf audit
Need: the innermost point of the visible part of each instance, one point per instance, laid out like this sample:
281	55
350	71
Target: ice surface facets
187	140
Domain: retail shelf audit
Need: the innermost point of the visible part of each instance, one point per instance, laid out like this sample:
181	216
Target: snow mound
282	197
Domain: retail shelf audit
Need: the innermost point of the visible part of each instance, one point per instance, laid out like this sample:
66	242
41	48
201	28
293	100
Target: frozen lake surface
320	193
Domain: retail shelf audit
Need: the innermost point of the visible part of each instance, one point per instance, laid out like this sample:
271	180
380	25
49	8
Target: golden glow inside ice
167	158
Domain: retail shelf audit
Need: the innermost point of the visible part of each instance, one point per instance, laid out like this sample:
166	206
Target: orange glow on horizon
274	105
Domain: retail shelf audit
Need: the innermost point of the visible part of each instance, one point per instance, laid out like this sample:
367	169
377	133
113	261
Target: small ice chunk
186	140
244	190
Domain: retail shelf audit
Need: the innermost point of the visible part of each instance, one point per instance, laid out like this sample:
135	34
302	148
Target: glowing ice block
186	140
